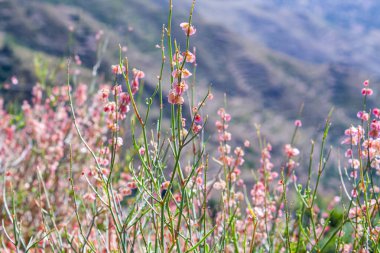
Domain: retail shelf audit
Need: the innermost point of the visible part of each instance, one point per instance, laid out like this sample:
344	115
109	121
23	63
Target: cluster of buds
263	208
290	153
137	75
118	107
187	28
175	94
231	160
178	58
117	69
368	146
367	152
353	135
223	137
366	91
179	86
357	215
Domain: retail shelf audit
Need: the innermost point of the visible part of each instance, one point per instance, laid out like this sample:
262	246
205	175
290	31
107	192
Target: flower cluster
179	86
367	144
264	210
197	125
34	146
363	157
291	153
176	93
118	106
188	29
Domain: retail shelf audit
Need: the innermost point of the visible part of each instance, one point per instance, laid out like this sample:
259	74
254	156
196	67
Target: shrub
102	172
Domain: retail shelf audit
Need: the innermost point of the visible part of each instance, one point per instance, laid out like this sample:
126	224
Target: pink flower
224	149
376	112
81	94
219	185
14	80
375	125
135	85
354	163
104	151
247	143
239	151
197	118
104	93
185	73
199	181
177	58
190	57
232	177
291	164
240	182
103	161
219	125
126	191
354	135
291	152
188	29
110	107
354	193
197	128
117	70
138	73
119	142
177	197
375	129
227	117
298	123
142	151
117	90
132	185
366	83
124	109
367	92
124	98
348	153
223	115
363	115
226	136
175	99
180	87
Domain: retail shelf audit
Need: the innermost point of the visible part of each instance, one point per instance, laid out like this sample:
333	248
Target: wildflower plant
101	171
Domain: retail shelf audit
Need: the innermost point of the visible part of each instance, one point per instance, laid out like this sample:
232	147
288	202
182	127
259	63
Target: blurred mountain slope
315	31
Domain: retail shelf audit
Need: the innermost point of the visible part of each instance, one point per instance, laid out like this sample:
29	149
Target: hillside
313	31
